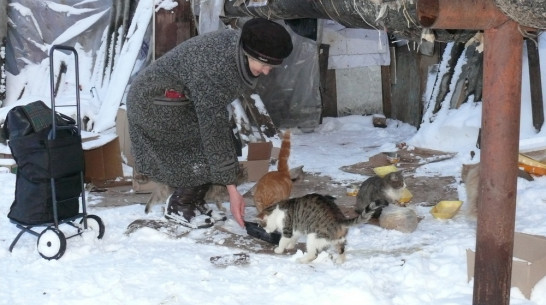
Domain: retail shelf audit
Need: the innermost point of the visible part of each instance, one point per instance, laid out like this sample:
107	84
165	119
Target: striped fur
316	216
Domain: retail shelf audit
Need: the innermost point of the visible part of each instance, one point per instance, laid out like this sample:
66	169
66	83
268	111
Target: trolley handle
52	86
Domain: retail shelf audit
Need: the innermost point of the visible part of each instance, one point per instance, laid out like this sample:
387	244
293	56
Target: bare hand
236	204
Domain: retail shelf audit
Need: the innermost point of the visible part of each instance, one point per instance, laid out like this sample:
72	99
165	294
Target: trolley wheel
94	223
51	243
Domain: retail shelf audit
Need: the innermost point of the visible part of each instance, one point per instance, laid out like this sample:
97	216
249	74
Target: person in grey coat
178	118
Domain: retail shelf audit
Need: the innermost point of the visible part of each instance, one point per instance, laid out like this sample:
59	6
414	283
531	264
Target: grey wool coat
189	145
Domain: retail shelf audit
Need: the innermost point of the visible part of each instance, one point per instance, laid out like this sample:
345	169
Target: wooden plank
173	27
327	85
386	90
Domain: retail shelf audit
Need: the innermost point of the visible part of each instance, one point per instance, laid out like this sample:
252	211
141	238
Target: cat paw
340	259
305	259
378	205
278	250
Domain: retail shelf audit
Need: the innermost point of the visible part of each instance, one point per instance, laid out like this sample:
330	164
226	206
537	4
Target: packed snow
427	266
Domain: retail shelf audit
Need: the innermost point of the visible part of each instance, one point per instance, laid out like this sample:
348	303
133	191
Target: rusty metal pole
503	45
498	163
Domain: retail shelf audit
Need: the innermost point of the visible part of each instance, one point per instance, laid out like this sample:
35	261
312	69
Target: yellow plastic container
446	209
406	196
382	171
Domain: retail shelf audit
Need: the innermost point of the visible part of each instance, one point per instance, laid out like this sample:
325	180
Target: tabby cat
217	193
381	190
276	185
315	215
470	176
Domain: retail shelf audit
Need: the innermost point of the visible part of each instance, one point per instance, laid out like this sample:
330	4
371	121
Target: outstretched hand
236	204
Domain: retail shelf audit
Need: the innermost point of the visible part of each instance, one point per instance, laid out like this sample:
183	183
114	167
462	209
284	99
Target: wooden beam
327	87
499	138
535	83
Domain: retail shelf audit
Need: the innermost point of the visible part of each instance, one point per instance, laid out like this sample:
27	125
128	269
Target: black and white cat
316	216
381	190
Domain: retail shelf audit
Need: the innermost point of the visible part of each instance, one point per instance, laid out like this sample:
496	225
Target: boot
181	209
203	207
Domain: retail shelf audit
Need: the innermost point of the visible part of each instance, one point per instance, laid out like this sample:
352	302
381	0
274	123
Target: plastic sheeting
35	25
291	91
209	15
99	30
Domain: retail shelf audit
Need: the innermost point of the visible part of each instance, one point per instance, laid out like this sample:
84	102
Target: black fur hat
266	41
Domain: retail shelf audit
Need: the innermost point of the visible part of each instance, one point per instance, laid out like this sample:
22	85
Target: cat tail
284	154
366	215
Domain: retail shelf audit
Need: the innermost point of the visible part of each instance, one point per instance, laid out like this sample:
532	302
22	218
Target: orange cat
275	185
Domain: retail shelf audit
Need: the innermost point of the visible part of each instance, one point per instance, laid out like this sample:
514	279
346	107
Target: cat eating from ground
380	190
318	217
276	185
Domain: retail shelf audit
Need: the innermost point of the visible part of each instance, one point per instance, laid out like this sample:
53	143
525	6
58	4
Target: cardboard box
102	158
528	265
258	160
122	130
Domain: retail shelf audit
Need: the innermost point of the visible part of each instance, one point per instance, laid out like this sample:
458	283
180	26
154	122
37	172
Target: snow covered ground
427	266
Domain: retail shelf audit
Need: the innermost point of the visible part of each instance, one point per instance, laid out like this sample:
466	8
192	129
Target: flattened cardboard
528	265
103	162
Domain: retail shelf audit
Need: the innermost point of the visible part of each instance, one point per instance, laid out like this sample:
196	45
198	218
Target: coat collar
242	65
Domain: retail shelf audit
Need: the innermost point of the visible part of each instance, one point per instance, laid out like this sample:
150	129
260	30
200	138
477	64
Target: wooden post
535	83
327	84
499	137
498	165
386	88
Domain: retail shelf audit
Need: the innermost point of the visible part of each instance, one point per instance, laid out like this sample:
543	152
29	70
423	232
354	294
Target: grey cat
380	190
217	193
315	215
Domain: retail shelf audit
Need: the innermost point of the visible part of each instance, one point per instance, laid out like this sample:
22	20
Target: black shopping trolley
49	187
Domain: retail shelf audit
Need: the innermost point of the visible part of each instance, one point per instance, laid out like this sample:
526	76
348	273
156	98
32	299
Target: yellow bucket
382	171
446	209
